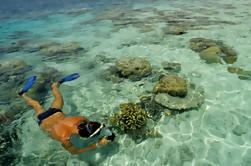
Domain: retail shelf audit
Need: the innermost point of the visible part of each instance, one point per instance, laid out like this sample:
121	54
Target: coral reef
133	67
213	51
171	84
131	117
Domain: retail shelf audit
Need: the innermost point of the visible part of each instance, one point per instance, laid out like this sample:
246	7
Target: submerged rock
12	74
229	55
37	45
211	54
61	52
193	99
9	48
239	130
171	66
199	44
133	67
65	48
153	109
213	51
174	30
242	74
11	68
171	84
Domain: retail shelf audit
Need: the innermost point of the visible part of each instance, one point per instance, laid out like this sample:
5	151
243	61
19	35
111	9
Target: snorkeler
62	127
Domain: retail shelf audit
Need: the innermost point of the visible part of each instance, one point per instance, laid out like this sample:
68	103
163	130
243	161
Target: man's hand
71	148
103	141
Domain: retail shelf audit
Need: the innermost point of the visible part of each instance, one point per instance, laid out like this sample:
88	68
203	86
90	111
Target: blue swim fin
69	78
30	81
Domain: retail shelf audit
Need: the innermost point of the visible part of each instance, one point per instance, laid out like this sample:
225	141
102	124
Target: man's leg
58	101
34	104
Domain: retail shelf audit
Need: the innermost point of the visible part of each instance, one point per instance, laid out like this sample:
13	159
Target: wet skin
59	126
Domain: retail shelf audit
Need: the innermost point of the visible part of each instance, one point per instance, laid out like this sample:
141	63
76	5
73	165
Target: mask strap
101	126
88	129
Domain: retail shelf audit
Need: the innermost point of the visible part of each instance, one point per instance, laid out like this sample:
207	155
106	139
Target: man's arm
84	119
71	148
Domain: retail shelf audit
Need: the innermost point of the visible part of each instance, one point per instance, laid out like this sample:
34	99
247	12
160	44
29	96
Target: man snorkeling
62	127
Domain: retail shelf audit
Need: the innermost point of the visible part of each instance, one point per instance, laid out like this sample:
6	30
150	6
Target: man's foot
69	78
30	81
55	85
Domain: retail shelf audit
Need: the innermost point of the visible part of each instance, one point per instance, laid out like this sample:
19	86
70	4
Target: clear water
216	134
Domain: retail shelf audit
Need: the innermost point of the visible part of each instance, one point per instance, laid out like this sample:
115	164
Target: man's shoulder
77	119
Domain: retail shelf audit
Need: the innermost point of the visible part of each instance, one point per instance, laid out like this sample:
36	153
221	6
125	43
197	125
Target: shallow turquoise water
217	133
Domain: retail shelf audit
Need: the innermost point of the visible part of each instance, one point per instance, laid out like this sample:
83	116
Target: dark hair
83	131
111	137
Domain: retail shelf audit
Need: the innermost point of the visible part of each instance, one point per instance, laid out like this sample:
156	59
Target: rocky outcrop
193	99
